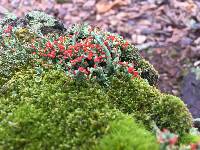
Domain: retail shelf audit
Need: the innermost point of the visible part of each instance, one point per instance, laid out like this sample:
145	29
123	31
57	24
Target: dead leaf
188	5
177	35
104	6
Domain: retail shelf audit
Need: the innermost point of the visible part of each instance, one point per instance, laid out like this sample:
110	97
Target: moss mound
171	113
52	113
147	103
125	134
51	110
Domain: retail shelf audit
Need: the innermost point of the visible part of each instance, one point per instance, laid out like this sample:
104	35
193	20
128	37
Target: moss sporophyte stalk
80	87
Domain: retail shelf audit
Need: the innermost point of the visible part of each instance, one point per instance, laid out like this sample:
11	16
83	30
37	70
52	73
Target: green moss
2	81
125	134
148	72
132	96
172	113
23	35
189	138
52	113
147	103
24	121
51	110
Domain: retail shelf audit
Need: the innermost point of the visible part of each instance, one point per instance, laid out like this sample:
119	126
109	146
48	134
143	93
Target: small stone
147	31
15	3
197	41
185	41
78	1
196	123
197	63
146	46
114	21
89	4
139	39
175	92
98	17
27	3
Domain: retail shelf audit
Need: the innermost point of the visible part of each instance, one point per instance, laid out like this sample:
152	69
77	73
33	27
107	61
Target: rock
48	24
159	2
196	123
195	26
190	93
147	31
145	45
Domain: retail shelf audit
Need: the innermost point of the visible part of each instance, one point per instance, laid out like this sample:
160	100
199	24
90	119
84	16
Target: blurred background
167	33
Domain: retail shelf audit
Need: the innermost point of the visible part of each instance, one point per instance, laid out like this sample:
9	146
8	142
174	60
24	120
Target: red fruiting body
90	55
81	69
49	45
135	74
193	146
130	70
8	29
97	59
84	53
173	140
61	47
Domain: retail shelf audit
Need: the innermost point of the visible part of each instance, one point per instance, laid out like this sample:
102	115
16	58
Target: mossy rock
44	23
36	21
49	110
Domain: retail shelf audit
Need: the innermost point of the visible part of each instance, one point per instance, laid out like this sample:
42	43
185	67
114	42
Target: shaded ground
166	31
